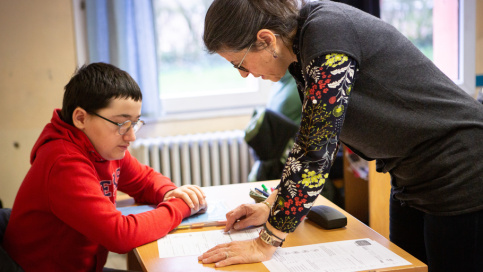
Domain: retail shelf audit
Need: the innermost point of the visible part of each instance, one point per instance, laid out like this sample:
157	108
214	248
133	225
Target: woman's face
261	63
269	63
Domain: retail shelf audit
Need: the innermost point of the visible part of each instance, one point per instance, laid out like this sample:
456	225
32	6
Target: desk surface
307	233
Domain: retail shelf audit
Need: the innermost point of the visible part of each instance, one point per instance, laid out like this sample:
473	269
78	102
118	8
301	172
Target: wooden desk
379	195
307	233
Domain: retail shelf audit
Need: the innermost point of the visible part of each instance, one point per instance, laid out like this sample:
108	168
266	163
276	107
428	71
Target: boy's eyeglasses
126	125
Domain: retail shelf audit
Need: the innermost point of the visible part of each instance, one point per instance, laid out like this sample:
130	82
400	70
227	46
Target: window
444	30
190	79
192	83
181	55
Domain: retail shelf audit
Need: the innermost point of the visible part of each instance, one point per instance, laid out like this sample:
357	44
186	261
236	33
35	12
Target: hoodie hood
57	129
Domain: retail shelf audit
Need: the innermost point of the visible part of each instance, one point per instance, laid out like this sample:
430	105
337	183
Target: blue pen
262	192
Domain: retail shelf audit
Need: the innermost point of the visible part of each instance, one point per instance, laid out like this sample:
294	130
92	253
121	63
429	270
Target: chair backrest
4	216
6	263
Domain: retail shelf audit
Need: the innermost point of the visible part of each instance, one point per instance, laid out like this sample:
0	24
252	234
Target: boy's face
104	135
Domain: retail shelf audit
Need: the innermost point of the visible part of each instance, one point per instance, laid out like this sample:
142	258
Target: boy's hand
192	195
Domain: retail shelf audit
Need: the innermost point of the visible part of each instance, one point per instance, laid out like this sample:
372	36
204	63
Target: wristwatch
269	238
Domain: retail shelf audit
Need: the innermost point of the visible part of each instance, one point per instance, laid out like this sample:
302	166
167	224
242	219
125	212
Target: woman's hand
247	215
192	195
238	252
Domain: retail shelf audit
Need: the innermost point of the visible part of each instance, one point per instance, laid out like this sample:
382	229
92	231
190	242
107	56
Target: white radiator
202	159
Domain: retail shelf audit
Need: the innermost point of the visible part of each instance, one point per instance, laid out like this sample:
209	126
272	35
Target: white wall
37	57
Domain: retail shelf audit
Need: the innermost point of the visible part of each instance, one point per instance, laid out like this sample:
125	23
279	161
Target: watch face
266	237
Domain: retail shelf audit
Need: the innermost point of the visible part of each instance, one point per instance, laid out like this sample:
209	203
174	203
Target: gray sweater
403	111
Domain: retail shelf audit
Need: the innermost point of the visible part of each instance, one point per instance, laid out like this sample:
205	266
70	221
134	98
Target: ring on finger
226	255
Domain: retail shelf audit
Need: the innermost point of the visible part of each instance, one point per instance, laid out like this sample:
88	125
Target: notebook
214	215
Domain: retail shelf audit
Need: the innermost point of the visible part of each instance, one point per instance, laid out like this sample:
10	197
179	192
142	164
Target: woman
365	85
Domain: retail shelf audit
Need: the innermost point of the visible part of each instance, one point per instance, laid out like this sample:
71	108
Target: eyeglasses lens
241	68
138	125
124	127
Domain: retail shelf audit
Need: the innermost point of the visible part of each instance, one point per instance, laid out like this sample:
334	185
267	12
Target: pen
183	227
264	188
202	224
197	225
256	192
262	192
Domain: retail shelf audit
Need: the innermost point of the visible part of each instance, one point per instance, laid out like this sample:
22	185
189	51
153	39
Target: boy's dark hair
93	86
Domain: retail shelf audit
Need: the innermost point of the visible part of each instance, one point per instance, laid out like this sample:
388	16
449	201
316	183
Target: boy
64	217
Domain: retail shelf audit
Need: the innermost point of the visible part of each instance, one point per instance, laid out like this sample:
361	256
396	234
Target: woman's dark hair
233	24
93	86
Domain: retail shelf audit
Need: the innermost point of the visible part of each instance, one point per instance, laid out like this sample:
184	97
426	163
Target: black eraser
327	217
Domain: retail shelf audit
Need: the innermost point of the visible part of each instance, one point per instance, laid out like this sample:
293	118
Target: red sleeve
141	181
76	198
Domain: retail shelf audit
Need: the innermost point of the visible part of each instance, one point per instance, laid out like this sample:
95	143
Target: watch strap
271	233
269	238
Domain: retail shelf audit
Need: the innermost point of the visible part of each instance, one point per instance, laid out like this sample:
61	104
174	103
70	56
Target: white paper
196	243
343	256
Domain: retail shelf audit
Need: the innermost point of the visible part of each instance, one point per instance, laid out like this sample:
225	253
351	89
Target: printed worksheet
343	256
196	243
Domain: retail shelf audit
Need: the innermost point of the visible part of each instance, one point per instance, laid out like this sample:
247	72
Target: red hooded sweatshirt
64	217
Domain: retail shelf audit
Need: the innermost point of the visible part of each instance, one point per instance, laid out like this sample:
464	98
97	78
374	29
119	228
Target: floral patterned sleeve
328	83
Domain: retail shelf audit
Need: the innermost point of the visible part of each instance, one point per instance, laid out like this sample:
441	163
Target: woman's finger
230	258
233	216
245	222
230	261
213	252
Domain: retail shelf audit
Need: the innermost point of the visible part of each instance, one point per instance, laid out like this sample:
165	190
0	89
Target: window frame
204	105
467	45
